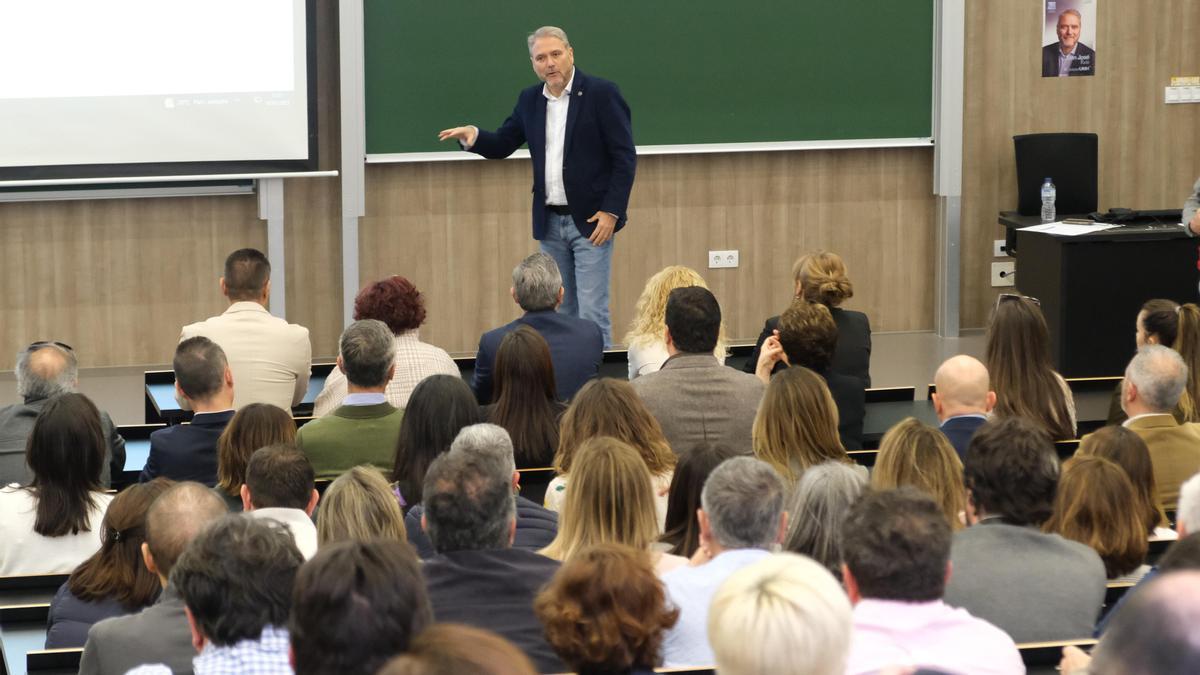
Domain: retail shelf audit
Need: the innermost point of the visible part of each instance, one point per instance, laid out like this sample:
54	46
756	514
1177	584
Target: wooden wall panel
1148	157
457	229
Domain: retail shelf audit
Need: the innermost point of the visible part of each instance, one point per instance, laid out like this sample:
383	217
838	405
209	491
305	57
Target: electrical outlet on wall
1004	274
999	249
719	259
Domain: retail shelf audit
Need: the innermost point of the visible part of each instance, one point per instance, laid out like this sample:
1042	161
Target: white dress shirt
556	140
299	523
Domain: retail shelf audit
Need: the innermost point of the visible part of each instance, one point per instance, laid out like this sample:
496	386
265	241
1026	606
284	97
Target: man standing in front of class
581	142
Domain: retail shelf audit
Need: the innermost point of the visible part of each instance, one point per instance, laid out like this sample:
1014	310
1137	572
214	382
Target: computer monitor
1069	159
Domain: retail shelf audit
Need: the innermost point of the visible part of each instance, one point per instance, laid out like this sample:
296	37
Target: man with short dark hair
355	605
45	370
1032	585
896	552
365	428
741	518
477	578
576	345
270	358
189	451
693	396
279	486
159	633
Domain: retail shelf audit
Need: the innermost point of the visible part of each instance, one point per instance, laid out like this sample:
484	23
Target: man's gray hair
39	383
368	348
1067	11
1188	513
548	31
536	282
489	442
1160	376
469	503
743	499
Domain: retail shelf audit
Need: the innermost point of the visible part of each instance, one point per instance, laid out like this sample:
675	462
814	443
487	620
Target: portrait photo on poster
1069	38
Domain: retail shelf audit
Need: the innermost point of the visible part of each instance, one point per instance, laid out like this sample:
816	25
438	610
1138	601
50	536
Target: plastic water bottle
1049	194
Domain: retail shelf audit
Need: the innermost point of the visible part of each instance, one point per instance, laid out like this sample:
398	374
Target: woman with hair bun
821	277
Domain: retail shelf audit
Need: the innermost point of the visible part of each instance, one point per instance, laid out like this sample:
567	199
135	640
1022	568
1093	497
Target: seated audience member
576	345
355	605
477	578
159	633
806	337
45	370
114	581
236	582
453	649
610	407
188	452
1167	323
963	399
1019	367
741	518
916	454
693	396
605	611
1154	381
365	427
897	561
681	534
439	408
359	506
396	302
279	487
536	526
1154	633
527	404
796	425
1096	505
784	615
1125	448
611	501
254	426
1033	586
820	502
647	348
52	524
821	277
270	358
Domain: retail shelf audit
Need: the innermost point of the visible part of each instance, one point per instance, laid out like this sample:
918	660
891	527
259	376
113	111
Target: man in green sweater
365	428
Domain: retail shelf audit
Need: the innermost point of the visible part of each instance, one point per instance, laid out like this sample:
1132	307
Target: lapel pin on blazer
579	93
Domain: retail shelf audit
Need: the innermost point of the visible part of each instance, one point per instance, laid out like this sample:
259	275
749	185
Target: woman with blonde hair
360	505
255	426
1167	323
611	500
1018	363
916	454
1092	508
610	407
647	347
821	277
797	424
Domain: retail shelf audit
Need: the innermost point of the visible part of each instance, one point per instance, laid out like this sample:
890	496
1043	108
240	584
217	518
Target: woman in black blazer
821	277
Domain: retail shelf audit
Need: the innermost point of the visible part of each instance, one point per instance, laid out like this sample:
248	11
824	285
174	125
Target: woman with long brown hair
681	533
797	424
916	454
1092	507
610	407
1127	450
1167	323
526	397
254	426
645	339
1018	362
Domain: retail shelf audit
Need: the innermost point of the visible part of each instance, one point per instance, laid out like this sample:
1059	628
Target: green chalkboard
693	71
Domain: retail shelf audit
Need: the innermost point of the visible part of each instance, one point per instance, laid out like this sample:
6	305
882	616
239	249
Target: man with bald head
45	370
963	399
159	633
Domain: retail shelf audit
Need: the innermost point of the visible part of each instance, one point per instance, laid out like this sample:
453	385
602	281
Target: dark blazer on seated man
187	451
536	528
959	431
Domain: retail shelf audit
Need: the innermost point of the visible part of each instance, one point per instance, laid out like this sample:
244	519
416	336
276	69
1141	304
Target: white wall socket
718	259
1004	274
999	250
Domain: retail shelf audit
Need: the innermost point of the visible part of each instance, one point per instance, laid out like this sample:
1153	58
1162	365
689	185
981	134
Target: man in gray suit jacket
159	633
1034	586
694	397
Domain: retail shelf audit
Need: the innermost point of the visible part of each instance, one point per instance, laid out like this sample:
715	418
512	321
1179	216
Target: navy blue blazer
960	430
187	451
576	349
599	158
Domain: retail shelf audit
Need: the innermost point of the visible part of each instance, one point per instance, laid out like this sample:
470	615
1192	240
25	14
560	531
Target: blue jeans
585	270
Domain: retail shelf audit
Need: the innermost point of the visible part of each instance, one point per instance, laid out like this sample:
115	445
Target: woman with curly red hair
396	302
605	612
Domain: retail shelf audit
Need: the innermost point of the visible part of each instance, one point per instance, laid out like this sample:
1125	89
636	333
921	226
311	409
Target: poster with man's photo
1069	38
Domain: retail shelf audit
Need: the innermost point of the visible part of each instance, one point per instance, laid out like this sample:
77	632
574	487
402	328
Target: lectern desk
1092	286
